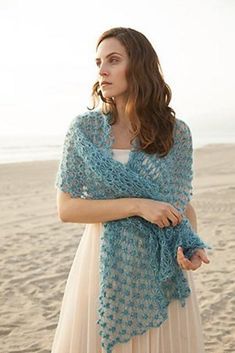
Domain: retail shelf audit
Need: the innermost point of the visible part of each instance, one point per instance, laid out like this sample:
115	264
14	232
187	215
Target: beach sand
37	251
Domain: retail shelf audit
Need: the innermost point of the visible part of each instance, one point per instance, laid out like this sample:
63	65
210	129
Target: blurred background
47	66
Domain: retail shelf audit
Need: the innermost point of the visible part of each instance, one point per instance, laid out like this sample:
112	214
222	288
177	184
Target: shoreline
206	146
37	250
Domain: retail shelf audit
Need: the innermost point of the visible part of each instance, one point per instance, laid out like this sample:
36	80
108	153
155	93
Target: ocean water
15	149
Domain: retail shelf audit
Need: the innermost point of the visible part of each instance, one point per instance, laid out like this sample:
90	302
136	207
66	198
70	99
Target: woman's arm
79	210
191	215
200	255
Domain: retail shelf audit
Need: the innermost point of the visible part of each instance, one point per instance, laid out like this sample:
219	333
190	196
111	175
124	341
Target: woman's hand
162	214
195	261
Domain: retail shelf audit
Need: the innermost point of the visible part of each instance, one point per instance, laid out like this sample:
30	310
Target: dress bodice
121	155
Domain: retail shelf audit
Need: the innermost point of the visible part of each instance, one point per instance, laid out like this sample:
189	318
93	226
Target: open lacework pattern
139	274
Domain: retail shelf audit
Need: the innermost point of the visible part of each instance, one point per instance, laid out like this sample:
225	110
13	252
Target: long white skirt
77	331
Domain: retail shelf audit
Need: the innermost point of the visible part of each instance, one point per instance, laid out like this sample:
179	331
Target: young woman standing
126	172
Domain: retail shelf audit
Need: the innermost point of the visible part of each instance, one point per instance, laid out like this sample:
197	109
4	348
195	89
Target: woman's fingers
175	213
170	220
166	222
169	216
195	262
173	219
165	214
182	260
160	224
203	255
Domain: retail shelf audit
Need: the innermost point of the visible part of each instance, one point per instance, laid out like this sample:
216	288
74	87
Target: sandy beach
37	251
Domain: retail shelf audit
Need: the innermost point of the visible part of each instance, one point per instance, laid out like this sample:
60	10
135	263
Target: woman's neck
122	118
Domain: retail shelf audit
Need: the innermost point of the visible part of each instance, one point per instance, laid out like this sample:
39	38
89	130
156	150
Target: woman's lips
105	86
105	83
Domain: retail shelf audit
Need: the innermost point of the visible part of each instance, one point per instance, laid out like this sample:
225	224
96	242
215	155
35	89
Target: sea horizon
17	149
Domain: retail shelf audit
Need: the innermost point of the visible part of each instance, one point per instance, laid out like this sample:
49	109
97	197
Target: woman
126	173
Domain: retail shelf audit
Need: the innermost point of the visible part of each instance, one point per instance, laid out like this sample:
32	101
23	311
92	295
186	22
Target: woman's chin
106	95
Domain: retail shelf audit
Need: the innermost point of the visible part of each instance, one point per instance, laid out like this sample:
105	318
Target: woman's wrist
135	206
190	213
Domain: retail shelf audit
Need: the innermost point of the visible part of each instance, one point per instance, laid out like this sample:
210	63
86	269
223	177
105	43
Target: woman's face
112	62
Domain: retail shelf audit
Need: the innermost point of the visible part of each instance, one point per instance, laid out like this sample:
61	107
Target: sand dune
37	251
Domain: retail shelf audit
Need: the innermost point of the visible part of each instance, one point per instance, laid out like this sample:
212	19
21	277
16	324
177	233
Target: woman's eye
113	60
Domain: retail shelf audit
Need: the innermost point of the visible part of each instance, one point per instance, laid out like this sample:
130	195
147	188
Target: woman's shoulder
93	124
181	130
87	119
181	126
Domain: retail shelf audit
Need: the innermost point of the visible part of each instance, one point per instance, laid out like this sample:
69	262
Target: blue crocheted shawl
139	274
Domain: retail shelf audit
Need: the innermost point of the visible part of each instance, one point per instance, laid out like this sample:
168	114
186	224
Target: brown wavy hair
147	106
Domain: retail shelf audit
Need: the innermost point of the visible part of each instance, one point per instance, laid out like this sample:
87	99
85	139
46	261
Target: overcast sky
47	64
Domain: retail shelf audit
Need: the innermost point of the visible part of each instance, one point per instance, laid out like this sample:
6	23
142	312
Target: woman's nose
103	70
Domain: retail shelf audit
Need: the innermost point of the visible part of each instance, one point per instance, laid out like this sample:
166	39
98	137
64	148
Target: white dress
77	331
